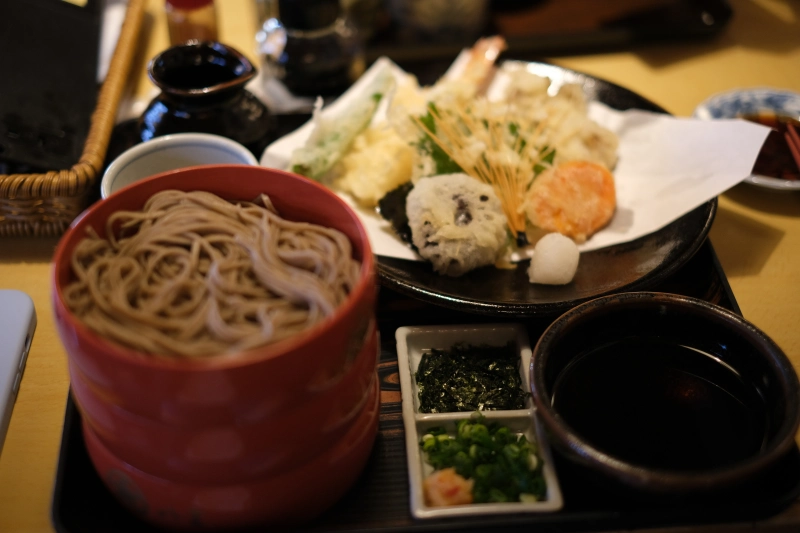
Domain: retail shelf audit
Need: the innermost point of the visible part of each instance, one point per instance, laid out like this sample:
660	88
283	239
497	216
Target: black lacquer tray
379	501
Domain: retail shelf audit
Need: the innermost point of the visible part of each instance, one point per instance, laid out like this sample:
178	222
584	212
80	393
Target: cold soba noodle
195	275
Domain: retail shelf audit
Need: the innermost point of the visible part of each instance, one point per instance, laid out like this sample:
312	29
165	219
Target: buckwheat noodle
195	275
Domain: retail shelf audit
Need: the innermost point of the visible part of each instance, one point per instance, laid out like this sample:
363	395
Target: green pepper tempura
504	466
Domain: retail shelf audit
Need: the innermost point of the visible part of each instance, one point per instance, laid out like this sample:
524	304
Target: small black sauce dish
665	395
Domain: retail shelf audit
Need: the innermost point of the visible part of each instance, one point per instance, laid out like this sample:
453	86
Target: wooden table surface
756	233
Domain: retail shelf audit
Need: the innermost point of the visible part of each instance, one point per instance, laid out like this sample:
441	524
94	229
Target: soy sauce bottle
191	19
312	47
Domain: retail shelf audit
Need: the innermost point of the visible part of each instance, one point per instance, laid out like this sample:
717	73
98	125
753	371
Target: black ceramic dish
665	393
635	265
202	90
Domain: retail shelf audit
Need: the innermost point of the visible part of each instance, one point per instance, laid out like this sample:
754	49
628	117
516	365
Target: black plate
635	265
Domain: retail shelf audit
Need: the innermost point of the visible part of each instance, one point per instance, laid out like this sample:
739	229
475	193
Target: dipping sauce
775	159
661	405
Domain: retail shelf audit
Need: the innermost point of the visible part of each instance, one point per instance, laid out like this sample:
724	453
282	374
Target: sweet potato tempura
575	199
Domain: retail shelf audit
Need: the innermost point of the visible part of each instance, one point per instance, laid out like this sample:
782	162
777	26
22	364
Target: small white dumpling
555	260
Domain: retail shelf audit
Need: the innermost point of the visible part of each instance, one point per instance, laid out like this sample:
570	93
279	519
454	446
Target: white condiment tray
412	342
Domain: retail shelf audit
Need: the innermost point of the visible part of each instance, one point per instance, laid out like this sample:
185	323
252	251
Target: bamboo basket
44	205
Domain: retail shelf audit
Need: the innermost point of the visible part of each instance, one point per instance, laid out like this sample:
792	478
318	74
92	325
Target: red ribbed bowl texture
245	419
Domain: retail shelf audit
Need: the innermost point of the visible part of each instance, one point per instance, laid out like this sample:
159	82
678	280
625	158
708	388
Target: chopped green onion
504	466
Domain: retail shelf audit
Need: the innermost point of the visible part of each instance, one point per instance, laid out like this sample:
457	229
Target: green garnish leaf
303	170
548	155
444	164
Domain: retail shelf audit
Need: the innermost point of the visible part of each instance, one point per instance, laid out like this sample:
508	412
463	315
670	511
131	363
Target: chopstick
793	140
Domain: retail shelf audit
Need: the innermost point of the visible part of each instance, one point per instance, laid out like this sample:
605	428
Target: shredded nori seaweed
392	207
470	378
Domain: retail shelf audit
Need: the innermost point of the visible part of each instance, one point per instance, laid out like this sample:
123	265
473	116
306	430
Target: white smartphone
17	324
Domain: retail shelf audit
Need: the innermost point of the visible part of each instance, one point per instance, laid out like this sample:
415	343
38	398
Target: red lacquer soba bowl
264	446
268	390
281	500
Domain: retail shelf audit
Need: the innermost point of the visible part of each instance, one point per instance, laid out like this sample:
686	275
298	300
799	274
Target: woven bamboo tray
43	205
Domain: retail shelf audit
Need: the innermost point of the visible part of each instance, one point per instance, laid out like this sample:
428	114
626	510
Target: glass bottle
312	47
191	19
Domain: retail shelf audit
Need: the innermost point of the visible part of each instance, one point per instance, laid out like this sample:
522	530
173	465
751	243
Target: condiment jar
203	90
312	47
191	19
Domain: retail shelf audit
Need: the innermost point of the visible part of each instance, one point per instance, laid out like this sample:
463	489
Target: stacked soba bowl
272	434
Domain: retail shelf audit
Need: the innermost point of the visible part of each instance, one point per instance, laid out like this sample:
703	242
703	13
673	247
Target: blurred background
48	91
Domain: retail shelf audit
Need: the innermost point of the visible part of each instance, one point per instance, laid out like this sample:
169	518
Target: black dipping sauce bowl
661	394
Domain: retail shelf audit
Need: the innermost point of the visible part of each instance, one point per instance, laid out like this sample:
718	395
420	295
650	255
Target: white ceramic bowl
171	152
752	101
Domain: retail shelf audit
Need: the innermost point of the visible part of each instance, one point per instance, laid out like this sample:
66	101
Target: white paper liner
667	166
